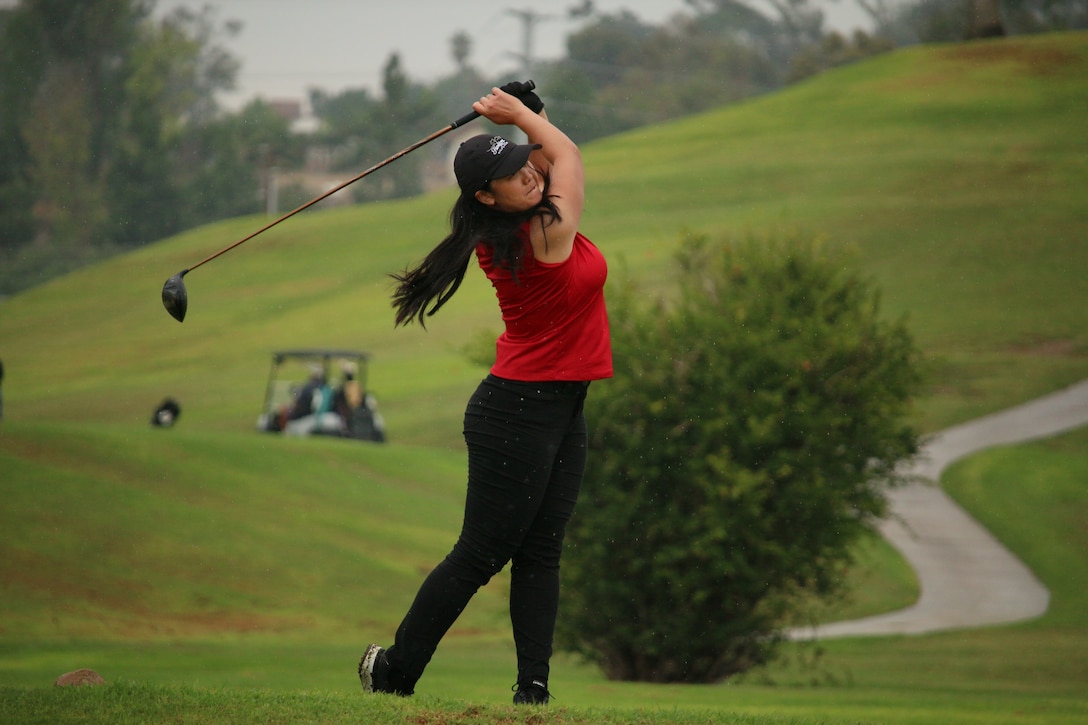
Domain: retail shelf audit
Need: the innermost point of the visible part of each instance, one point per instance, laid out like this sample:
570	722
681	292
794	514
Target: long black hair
441	272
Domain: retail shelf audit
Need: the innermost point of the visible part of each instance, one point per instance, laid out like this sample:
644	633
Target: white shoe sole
366	667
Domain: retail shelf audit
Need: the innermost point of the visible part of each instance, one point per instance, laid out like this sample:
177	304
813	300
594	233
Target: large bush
746	441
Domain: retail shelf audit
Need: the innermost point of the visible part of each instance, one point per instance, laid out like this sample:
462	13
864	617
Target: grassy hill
215	556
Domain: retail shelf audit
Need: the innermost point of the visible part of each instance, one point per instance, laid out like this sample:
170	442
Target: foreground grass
1014	676
964	678
132	704
1034	672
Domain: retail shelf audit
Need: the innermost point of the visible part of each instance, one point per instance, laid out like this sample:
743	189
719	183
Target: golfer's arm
540	130
561	156
563	161
537	157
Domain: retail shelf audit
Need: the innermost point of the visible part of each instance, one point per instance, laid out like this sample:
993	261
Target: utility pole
529	19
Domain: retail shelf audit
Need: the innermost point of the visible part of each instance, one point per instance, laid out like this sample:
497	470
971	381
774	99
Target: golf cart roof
317	353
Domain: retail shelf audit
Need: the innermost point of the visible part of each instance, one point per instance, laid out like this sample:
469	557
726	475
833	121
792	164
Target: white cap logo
498	145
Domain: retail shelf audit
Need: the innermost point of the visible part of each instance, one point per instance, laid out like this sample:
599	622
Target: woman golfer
518	211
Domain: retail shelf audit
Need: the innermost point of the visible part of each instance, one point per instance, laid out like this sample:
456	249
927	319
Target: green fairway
212	573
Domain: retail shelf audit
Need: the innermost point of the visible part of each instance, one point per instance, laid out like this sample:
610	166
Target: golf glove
529	98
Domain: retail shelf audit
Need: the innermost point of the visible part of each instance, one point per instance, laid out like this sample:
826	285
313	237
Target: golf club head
174	297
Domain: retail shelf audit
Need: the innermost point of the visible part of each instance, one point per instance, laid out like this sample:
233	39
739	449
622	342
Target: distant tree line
620	73
111	137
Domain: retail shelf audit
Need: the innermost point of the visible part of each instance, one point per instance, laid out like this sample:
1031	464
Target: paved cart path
968	578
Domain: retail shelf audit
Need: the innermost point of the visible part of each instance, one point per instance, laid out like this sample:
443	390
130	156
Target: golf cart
320	392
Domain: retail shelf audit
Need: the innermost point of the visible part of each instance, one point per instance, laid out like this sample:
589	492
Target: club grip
526	87
464	119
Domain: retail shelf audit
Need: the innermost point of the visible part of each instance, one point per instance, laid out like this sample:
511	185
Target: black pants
526	458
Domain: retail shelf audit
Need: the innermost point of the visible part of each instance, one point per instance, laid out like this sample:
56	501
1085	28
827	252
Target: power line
529	19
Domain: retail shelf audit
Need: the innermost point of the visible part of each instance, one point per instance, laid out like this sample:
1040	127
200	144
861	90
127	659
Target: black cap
484	158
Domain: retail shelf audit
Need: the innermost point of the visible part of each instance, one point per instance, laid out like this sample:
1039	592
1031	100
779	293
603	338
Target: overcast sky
288	46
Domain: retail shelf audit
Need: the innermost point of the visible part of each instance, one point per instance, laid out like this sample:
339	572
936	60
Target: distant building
288	110
297	116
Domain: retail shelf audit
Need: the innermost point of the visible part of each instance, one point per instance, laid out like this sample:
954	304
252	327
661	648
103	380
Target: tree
232	153
63	131
96	99
71	62
360	131
952	21
743	446
793	26
572	103
20	69
835	50
1037	16
604	48
454	92
984	19
461	49
620	74
176	68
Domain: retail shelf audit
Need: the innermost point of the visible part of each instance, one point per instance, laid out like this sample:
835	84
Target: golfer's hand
525	94
500	107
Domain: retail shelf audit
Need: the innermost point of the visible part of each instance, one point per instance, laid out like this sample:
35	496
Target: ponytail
439	275
441	272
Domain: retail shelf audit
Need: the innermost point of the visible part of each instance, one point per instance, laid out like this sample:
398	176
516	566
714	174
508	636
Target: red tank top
556	323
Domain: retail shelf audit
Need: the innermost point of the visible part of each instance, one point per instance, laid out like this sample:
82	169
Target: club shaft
441	132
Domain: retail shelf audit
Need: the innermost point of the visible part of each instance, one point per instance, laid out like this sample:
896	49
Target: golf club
175	298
